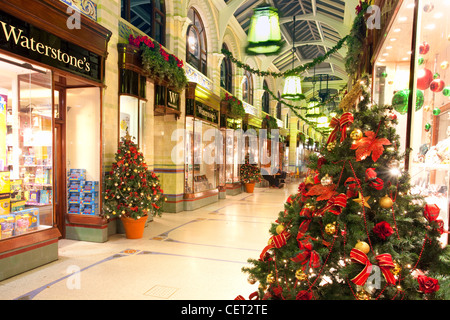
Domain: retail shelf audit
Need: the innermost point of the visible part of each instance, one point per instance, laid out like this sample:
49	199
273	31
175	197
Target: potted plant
132	192
249	174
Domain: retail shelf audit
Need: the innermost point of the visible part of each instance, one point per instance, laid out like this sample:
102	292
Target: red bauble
437	85
424	48
424	78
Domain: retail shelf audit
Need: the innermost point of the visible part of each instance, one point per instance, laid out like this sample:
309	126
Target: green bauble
400	100
436	111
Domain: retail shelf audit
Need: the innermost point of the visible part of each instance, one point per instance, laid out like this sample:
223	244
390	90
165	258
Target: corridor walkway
196	255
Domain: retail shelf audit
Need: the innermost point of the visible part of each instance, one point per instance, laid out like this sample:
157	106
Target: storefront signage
23	39
173	99
206	113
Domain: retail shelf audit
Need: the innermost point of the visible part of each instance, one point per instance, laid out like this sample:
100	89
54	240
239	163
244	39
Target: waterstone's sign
25	40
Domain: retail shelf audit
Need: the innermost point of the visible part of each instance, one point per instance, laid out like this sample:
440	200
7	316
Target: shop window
149	16
265	99
425	91
200	174
279	107
226	73
196	42
132	104
131	118
247	88
26	159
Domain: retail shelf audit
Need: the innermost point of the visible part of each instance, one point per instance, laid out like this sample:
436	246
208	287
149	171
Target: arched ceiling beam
340	28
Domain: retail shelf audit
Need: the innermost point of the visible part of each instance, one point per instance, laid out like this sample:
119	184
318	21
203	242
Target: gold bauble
397	269
300	275
330	228
362	295
331	146
326	180
356	134
309	206
386	202
279	229
270	278
251	279
362	246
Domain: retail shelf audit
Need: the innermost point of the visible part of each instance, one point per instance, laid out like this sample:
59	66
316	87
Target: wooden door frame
59	213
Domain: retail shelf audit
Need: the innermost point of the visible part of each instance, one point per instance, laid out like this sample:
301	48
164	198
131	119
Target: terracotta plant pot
134	229
249	187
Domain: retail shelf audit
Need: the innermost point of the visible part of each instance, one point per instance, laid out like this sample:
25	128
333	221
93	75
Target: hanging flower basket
159	63
235	106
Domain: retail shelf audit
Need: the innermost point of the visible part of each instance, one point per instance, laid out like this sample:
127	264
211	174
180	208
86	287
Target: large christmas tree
354	230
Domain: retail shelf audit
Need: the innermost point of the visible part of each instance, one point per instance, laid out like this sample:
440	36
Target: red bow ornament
431	212
374	181
335	204
276	241
384	262
351	184
307	256
340	125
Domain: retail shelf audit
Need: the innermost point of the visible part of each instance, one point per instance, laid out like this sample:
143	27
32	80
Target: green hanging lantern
264	36
292	88
400	100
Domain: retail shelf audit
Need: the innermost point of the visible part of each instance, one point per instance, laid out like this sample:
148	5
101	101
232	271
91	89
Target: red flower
427	284
304	295
383	230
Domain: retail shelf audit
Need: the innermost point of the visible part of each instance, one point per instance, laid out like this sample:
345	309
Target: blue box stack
75	181
89	198
83	196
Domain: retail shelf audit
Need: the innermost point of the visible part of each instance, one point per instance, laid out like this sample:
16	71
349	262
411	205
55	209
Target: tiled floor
196	255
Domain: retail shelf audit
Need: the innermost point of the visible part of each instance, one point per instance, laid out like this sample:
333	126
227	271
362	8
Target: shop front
201	148
50	98
411	73
231	129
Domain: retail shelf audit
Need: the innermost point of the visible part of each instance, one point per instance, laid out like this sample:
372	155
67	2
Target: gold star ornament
362	200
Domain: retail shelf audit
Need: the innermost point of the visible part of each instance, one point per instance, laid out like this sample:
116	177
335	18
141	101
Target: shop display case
26	177
411	72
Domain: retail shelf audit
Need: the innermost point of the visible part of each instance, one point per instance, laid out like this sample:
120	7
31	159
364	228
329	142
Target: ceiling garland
353	39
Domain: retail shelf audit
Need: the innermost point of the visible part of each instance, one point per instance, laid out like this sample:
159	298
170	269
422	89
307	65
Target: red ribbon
276	242
335	204
384	262
351	184
252	296
374	181
340	125
307	256
431	212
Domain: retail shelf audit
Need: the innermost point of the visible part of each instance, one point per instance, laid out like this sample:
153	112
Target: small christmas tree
131	190
354	230
249	173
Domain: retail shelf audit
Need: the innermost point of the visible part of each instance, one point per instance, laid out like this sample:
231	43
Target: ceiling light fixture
264	36
292	85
